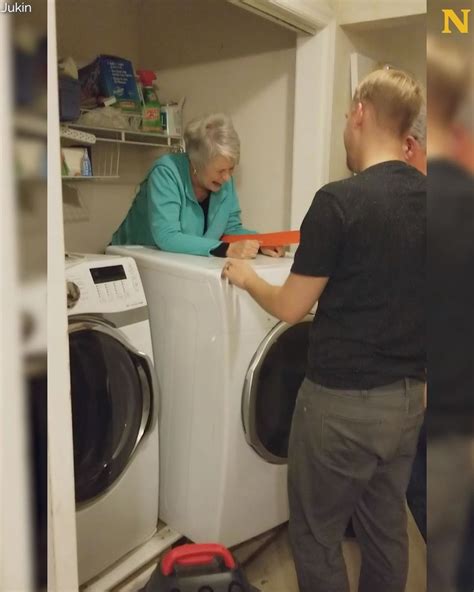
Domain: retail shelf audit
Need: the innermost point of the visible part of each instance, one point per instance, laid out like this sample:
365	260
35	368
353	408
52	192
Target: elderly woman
188	201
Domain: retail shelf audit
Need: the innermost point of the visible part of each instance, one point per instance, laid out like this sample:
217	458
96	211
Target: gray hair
418	128
210	136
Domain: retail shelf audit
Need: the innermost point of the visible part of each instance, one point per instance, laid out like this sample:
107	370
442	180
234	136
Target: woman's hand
273	251
238	273
243	249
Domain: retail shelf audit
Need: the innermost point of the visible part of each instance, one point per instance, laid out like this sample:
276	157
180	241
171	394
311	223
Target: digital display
111	273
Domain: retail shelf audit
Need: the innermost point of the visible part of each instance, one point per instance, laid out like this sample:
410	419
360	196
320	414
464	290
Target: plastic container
69	99
172	118
109	76
198	568
151	121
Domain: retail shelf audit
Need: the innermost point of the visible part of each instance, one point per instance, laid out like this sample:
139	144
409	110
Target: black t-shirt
368	235
450	305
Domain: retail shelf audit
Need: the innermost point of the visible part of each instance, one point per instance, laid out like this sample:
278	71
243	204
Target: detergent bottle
151	105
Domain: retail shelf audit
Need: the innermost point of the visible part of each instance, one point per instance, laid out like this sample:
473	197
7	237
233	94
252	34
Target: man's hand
273	251
290	302
243	249
238	273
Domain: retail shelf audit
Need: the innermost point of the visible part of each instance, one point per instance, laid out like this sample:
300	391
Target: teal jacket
165	212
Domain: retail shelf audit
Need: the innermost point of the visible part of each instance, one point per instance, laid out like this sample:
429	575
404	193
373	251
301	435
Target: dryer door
111	390
271	386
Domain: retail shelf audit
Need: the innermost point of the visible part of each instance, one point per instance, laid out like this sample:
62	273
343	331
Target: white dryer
228	375
114	399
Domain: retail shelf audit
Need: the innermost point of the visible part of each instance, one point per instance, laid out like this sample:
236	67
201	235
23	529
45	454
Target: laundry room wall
358	11
221	58
98	207
400	42
85	29
224	58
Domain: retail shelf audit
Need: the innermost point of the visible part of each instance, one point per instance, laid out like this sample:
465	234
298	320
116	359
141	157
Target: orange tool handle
269	239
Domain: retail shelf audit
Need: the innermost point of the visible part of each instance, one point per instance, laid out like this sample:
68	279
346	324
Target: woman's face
217	172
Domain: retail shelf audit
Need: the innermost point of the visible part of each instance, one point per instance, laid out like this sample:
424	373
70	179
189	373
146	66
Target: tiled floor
273	571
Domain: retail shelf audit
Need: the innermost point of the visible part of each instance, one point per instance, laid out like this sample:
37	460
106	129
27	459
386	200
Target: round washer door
111	395
271	386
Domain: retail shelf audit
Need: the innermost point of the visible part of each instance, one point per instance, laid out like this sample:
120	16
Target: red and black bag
198	568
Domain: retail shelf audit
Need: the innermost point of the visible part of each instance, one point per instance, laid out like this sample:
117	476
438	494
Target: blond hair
395	96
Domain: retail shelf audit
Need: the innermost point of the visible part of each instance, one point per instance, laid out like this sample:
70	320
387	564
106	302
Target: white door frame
62	548
314	87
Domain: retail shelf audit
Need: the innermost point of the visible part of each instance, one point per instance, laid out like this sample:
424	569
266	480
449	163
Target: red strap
195	555
269	239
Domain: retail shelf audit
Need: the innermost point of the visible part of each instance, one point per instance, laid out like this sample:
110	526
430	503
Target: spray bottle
151	104
86	166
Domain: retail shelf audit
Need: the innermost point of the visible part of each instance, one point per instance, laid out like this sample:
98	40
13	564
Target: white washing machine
114	399
228	375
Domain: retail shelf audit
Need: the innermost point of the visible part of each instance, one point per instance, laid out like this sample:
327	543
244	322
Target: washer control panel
102	283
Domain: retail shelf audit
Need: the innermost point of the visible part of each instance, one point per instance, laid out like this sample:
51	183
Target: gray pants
350	455
449	495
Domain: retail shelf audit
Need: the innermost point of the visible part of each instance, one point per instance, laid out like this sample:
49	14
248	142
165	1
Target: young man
361	405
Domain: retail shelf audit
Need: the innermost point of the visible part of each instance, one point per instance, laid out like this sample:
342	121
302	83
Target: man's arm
290	302
317	256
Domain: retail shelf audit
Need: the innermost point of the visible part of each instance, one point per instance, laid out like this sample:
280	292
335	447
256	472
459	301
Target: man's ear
409	146
359	112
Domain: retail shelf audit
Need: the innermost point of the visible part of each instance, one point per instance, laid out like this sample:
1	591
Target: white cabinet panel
307	16
367	11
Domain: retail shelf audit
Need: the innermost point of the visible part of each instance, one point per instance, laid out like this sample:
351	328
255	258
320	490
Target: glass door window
110	408
271	387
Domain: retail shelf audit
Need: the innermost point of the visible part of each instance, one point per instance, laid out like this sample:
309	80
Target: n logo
451	17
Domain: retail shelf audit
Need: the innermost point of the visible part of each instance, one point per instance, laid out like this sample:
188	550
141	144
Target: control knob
73	294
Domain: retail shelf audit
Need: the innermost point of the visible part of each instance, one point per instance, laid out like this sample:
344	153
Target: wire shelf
104	146
153	139
105	161
70	136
